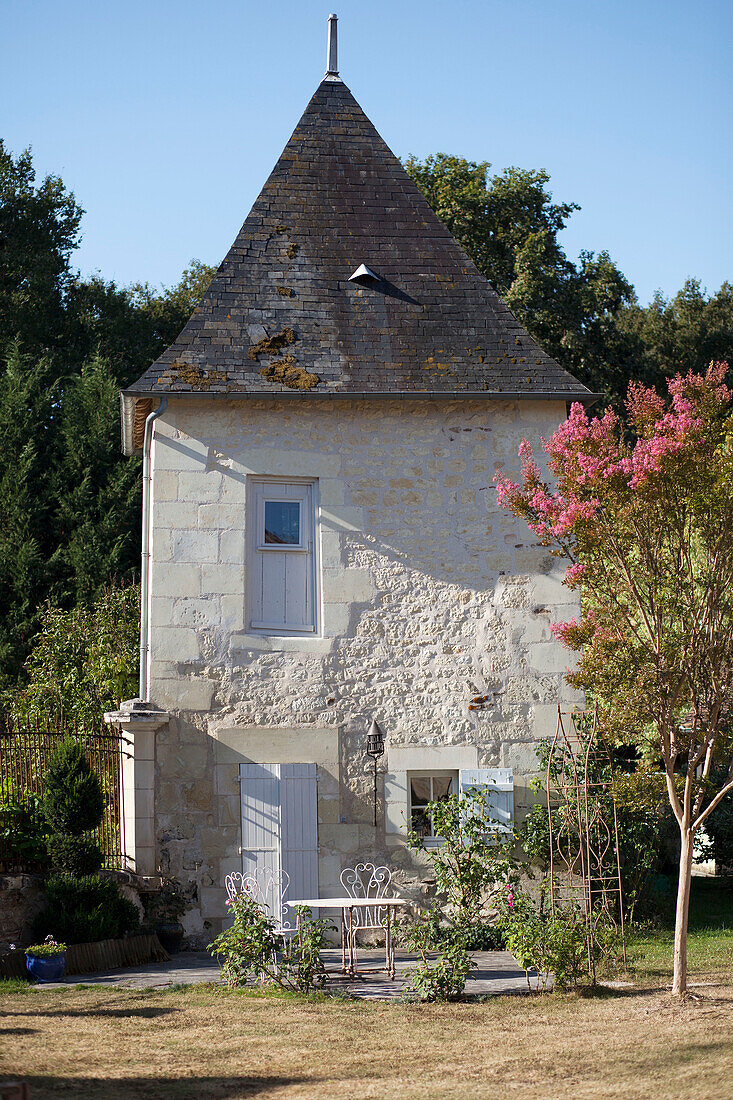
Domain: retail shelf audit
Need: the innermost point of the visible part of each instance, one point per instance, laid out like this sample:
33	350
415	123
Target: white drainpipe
145	558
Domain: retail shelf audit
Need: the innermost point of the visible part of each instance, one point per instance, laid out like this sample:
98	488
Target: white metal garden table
347	905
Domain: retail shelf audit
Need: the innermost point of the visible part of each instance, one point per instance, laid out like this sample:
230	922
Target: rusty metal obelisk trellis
585	862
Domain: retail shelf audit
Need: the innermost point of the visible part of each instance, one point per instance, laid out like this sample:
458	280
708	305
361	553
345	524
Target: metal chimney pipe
332	68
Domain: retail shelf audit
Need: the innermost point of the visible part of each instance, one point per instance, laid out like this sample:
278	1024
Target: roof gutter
584	396
145	556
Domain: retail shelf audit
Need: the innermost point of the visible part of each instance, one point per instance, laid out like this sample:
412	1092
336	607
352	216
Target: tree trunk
682	916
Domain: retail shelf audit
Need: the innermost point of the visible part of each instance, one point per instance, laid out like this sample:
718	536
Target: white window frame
433	773
260	489
305	524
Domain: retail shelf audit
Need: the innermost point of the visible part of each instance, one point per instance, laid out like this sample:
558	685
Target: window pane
441	787
282	522
420	791
421	822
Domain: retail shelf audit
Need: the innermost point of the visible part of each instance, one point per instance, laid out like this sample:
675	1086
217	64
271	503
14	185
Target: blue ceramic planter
46	970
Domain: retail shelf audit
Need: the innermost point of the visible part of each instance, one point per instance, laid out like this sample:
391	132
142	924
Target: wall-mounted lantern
375	749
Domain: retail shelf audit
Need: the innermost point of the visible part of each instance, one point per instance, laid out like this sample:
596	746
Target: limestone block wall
21	899
428	594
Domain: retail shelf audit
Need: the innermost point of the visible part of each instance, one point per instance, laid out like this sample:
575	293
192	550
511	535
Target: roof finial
332	68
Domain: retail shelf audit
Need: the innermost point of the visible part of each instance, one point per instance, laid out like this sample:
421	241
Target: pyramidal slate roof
284	315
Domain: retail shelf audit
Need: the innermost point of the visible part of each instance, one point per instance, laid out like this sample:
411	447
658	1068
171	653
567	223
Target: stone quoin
324	541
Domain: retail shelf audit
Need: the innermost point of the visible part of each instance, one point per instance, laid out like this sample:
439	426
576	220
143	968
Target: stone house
322	543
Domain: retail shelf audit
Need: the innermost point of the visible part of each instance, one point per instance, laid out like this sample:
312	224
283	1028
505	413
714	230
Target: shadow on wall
461	530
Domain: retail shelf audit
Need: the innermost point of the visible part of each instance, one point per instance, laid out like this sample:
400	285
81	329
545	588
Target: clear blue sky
166	117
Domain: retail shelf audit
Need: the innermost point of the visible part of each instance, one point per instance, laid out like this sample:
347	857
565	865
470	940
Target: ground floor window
425	787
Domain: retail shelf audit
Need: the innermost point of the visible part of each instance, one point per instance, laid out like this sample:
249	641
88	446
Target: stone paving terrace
496	972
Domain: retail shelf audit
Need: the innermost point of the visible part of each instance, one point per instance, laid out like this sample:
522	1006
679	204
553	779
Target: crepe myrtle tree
644	513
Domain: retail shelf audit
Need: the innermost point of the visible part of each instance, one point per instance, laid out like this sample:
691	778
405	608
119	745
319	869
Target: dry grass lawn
203	1042
106	1044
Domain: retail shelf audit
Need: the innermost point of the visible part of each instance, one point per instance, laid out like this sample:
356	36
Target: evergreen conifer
73	802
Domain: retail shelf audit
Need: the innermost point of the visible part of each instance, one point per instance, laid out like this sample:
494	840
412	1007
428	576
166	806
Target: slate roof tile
337	198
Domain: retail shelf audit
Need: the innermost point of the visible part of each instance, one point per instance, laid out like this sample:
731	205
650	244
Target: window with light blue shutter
280	563
497	788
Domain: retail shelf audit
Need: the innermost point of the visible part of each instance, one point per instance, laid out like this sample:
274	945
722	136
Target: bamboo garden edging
86	958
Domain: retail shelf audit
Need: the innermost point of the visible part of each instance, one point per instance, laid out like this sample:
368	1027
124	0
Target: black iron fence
25	752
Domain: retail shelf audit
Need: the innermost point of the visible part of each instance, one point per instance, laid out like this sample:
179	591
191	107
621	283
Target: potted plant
164	909
46	962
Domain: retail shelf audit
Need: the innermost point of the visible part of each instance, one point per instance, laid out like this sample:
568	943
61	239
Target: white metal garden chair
268	889
367	882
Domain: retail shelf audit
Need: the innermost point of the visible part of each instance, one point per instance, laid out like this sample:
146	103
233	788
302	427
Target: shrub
74	855
475	858
478	936
634	803
546	944
443	979
22	825
73	801
84	659
556	943
168	903
251	949
481	936
83	910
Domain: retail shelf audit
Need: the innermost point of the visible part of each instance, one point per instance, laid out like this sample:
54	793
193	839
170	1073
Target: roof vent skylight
364	274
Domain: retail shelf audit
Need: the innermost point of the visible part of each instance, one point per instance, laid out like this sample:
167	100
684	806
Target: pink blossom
508	495
678	430
683	389
227	902
588	450
590	458
560	630
574	572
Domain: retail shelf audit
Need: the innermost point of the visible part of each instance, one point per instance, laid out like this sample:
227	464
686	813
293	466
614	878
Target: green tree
648	526
69	501
28	400
73	802
509	225
683	333
494	217
96	520
84	660
73	805
129	326
39	229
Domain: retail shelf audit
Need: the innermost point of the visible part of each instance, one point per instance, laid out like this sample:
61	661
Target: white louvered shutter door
260	799
497	787
299	815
